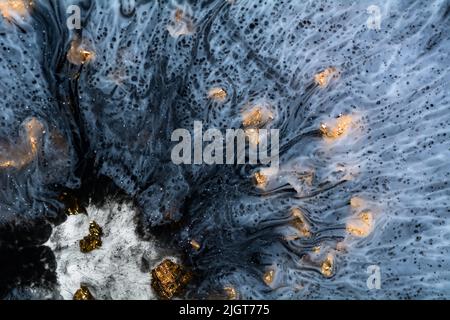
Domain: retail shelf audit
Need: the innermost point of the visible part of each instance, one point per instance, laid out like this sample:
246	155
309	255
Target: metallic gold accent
9	8
86	55
93	240
323	78
72	205
83	294
21	155
230	292
327	267
366	217
78	54
268	277
300	223
195	245
337	127
169	279
362	225
179	14
257	116
260	180
316	249
217	94
253	118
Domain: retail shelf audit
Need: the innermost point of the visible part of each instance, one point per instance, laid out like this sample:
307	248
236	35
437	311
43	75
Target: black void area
26	267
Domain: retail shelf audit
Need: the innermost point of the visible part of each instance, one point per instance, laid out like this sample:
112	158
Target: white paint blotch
114	271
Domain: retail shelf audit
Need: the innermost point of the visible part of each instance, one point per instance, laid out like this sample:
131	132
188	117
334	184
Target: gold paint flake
195	245
178	15
253	118
328	266
336	128
78	54
230	292
21	155
300	223
260	180
83	294
72	204
268	277
257	116
217	94
9	8
362	225
169	279
93	240
323	78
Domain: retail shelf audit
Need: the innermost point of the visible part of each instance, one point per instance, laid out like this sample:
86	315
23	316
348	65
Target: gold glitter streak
83	294
178	16
195	245
217	94
328	266
21	155
337	127
256	117
169	279
253	118
362	225
316	249
300	223
268	277
93	240
9	8
72	205
260	180
230	293
78	54
323	78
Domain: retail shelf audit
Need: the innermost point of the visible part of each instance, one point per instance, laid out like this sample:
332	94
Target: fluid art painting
224	149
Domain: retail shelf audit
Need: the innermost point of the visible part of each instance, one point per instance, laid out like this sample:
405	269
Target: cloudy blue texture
120	109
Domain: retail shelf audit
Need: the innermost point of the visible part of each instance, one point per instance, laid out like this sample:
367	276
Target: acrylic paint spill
364	127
